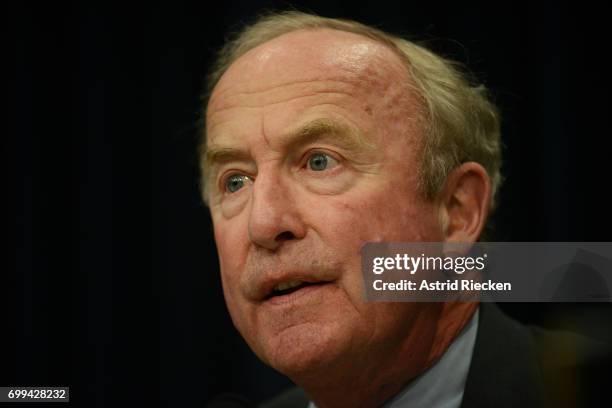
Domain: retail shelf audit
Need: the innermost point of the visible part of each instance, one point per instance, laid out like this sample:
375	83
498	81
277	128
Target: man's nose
274	217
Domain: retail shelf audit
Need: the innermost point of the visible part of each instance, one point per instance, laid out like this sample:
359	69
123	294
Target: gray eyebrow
315	130
329	130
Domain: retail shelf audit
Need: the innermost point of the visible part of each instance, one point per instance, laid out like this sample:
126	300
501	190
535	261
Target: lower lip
293	296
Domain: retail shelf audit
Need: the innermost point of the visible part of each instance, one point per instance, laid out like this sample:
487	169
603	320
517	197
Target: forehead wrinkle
361	64
287	99
370	81
219	101
212	125
218	93
262	130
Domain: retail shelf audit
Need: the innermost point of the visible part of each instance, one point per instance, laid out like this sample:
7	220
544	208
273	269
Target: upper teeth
287	285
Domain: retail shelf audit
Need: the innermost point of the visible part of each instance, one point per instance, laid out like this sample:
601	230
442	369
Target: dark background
112	285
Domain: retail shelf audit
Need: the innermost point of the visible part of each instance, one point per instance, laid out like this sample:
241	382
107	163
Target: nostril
285	236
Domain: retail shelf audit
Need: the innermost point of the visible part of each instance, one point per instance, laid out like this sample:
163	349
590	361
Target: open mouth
287	288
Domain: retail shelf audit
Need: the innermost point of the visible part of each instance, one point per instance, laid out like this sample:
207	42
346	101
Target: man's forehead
306	55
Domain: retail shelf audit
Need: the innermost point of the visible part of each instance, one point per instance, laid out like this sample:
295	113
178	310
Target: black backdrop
113	288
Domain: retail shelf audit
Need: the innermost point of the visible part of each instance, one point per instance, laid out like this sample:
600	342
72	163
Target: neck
370	381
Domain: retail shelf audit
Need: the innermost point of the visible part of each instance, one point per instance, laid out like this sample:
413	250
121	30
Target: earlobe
465	202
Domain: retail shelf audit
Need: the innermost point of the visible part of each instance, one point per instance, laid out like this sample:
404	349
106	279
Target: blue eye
235	182
318	162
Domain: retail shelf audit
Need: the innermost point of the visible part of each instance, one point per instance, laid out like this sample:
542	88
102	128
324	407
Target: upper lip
265	287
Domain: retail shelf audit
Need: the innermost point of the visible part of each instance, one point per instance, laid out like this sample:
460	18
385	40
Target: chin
303	350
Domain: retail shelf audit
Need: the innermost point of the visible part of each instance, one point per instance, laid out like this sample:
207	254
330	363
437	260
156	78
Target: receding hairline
373	35
387	57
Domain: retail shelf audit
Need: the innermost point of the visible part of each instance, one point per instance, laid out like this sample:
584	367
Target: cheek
377	216
231	260
232	257
232	242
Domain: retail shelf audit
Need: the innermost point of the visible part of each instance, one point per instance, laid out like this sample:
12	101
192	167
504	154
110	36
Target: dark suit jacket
518	366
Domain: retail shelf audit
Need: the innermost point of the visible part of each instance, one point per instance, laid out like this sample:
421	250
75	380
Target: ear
464	205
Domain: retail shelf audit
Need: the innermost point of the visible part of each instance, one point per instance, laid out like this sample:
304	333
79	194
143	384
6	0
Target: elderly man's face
313	144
